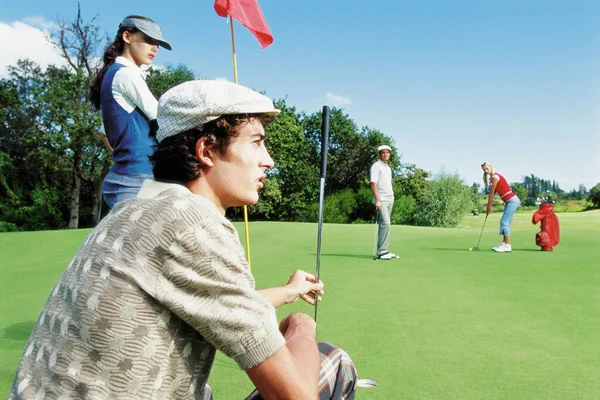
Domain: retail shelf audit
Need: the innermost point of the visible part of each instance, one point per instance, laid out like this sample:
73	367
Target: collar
127	62
387	164
150	189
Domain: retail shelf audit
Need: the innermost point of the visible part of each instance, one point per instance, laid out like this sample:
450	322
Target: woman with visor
128	107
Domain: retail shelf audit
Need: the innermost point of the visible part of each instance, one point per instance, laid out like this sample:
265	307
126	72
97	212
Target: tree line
53	161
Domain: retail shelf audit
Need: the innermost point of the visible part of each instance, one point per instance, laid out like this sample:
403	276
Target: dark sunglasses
483	165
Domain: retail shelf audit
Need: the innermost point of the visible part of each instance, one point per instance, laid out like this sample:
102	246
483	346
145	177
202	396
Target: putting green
441	322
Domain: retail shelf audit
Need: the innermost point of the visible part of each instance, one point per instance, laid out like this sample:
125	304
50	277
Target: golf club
324	147
375	236
366	383
478	240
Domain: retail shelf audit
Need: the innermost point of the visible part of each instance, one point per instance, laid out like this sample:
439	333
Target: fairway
439	323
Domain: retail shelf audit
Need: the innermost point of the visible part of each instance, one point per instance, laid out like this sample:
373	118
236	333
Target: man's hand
303	286
488	209
378	205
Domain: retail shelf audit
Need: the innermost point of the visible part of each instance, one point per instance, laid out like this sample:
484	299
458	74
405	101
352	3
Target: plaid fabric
194	103
337	379
338	375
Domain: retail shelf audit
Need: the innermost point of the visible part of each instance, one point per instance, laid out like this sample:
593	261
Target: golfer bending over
383	197
162	281
498	184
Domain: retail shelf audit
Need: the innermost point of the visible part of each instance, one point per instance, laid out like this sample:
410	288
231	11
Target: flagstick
235	79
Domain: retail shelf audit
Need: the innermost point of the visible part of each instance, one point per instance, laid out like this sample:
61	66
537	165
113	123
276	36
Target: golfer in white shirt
383	197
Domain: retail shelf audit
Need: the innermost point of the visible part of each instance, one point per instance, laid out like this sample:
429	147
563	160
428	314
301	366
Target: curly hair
174	158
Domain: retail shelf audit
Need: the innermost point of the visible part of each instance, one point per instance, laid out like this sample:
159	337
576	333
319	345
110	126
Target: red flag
248	13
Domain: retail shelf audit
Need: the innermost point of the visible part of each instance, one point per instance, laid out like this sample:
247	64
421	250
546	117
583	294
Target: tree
296	170
582	191
594	196
351	151
538	187
412	181
577	194
447	201
79	126
73	127
34	183
520	190
161	80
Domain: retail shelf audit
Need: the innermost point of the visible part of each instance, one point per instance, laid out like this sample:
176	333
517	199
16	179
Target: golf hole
367	383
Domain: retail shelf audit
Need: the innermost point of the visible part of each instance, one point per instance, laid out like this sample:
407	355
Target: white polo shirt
381	174
130	90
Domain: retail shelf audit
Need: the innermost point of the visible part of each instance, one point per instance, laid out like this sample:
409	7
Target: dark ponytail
111	53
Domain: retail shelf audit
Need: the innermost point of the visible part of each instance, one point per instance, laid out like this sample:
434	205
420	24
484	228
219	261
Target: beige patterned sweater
151	293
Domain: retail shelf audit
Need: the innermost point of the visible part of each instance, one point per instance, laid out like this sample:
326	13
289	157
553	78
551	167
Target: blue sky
454	83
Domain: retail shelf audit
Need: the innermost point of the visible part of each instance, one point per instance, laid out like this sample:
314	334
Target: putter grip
324	140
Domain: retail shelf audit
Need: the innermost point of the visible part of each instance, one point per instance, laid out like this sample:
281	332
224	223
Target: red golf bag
549	235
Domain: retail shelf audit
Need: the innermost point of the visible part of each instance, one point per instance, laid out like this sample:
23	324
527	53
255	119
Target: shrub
309	213
404	210
340	207
8	227
365	209
43	212
447	201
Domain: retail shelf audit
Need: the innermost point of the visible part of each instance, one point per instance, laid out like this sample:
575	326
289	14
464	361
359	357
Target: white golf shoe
503	248
386	256
500	245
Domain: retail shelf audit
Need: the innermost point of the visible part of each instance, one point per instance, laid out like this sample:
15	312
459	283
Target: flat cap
194	103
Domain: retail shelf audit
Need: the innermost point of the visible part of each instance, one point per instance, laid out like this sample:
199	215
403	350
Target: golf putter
324	150
375	236
478	240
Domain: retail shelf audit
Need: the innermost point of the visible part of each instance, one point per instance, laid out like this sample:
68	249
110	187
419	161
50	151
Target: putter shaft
478	240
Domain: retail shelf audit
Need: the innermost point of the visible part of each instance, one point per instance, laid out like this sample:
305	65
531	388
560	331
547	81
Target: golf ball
470	249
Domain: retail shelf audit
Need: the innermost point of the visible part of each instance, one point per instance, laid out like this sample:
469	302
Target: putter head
367	383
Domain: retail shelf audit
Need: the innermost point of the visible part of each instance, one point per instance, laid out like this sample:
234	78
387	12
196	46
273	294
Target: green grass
439	323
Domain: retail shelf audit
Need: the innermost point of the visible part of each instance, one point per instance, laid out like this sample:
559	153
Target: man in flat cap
162	282
383	197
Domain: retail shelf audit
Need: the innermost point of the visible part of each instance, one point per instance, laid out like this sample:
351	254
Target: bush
44	210
404	211
446	203
340	207
8	227
365	209
310	213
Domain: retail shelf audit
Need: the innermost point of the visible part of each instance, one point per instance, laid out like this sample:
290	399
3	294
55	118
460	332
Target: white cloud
41	22
22	40
337	100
